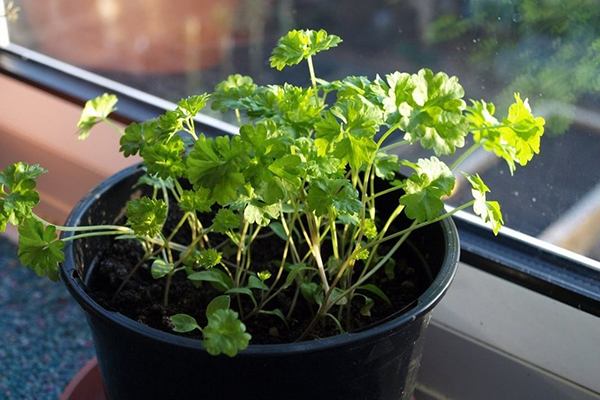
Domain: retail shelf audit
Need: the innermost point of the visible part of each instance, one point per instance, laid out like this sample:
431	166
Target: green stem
313	78
91	234
483	128
394	145
417	226
383	192
238	116
464	155
123	229
114	126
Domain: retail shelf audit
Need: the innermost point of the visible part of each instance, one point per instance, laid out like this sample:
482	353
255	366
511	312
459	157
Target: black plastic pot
138	362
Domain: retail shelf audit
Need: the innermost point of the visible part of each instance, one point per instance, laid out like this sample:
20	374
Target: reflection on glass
548	50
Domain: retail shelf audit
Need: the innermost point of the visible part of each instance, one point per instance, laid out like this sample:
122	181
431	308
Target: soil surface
142	296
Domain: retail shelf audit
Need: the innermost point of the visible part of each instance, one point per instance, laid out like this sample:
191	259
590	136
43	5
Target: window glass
548	50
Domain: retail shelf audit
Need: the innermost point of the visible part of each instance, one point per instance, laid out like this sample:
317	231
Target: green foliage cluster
301	173
551	48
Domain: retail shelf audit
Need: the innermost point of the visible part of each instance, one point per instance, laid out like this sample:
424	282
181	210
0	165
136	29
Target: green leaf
243	290
171	122
376	291
429	109
489	211
277	312
298	45
208	258
425	188
192	105
256	283
155	182
312	292
94	111
199	200
20	177
295	269
217	164
260	213
226	220
337	194
160	268
347	131
220	279
386	165
225	333
218	303
146	216
163	158
137	136
278	229
369	303
40	248
18	182
183	323
227	94
516	139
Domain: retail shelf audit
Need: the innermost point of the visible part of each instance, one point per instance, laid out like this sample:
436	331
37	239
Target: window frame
544	268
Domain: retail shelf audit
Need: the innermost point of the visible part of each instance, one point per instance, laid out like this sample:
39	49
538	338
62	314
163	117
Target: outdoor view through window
548	50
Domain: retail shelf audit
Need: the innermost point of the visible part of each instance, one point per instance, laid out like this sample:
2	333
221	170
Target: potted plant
295	251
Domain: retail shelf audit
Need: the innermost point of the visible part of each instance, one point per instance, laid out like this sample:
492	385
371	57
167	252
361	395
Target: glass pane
548	50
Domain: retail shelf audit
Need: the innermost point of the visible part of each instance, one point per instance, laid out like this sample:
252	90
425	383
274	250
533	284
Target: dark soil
142	297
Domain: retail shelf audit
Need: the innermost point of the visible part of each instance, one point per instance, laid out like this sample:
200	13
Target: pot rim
424	303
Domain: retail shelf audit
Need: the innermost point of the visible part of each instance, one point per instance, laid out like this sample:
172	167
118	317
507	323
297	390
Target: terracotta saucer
86	385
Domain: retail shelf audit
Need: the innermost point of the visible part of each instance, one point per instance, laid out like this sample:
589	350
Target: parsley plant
302	171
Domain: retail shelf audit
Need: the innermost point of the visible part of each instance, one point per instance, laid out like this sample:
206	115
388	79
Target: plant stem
238	116
114	126
91	234
313	78
464	155
394	145
123	229
417	226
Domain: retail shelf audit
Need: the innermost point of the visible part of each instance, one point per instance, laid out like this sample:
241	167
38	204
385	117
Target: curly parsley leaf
137	136
94	111
260	213
40	248
146	216
163	158
225	333
192	105
183	323
489	211
226	220
207	258
347	131
425	188
516	139
337	195
298	45
217	164
198	200
227	94
386	165
429	108
18	182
